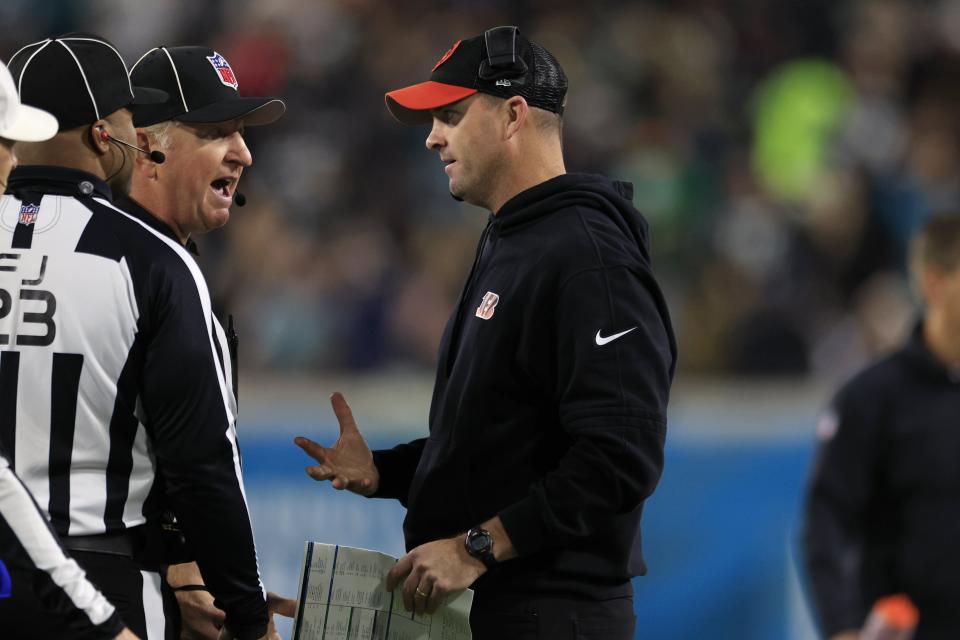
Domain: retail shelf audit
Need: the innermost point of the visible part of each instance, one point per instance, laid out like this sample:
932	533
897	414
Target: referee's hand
275	604
348	464
126	634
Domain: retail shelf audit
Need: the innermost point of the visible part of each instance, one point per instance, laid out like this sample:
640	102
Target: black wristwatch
479	544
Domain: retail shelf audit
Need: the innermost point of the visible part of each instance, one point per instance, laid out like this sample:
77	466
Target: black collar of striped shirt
59	181
143	214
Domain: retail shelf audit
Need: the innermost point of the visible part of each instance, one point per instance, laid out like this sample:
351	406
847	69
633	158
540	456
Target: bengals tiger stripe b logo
487	305
446	56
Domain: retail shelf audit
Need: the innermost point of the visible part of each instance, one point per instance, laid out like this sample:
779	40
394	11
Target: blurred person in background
883	504
189	190
548	417
29	548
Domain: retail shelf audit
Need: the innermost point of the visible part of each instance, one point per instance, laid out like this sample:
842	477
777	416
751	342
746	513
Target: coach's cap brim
412	105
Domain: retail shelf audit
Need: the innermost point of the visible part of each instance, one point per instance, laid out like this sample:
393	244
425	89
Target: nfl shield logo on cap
222	67
28	213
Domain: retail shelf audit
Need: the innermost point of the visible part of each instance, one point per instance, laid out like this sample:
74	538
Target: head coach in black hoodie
548	416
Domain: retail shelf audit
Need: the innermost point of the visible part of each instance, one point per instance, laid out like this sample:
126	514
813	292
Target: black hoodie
540	413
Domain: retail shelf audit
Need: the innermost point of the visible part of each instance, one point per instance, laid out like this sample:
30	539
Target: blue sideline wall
720	533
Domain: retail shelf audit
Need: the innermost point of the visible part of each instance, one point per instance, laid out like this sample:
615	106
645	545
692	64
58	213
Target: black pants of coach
555	619
135	593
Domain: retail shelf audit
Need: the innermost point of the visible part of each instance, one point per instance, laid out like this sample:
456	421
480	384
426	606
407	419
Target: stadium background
782	151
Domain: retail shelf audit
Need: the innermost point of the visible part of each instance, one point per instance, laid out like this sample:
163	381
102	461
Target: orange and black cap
501	63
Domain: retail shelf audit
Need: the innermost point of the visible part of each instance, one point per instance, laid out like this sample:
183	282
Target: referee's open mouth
224	186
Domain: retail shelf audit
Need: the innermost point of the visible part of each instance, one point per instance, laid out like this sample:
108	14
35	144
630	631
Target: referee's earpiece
157	156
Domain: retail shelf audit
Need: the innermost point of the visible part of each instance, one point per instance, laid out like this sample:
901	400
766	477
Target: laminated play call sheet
343	596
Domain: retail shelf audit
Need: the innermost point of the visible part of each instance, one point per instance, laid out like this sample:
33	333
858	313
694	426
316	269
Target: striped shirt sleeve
190	414
28	543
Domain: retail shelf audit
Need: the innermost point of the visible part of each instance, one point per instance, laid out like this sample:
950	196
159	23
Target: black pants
555	619
119	578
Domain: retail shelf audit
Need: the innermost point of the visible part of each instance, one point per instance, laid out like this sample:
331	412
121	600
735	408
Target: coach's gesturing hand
348	464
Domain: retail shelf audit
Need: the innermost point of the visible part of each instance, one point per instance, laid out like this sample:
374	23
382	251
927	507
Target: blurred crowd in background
781	150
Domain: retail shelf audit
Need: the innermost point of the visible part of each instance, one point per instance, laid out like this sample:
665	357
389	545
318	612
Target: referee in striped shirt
199	129
28	545
116	393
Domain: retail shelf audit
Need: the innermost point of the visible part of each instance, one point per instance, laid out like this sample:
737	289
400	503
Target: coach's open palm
348	464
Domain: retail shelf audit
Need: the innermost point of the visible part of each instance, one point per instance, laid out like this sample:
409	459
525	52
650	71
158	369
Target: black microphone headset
503	61
159	157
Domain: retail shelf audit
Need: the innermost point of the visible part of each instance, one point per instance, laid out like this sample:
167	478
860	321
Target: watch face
479	542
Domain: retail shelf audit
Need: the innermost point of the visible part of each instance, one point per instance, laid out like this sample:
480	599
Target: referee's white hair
159	134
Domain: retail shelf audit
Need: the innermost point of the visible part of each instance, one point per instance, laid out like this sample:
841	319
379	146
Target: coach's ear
515	111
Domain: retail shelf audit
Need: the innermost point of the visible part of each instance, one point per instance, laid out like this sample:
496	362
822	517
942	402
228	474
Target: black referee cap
501	63
202	88
79	78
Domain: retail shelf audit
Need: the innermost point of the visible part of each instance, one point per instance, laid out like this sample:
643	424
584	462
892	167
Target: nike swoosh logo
602	341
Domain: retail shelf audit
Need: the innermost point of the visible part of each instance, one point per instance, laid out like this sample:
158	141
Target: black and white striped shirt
116	386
